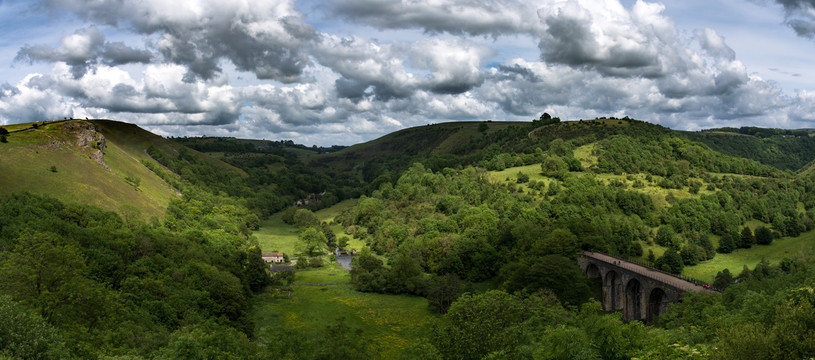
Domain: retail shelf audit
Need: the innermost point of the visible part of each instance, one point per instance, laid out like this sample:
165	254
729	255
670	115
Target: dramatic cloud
346	71
260	36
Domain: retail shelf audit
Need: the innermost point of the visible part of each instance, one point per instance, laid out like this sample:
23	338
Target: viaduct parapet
640	292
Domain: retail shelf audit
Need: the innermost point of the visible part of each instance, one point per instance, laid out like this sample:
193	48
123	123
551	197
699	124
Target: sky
346	71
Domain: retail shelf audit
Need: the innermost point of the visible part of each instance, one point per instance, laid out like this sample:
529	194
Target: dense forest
493	255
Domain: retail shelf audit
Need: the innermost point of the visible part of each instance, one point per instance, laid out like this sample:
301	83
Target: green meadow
735	261
389	322
275	235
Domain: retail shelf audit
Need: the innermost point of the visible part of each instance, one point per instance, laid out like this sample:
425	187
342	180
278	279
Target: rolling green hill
90	162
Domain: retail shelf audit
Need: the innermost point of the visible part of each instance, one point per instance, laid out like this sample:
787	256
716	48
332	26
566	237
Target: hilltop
99	162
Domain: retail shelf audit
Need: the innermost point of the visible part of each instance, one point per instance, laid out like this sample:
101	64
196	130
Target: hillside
90	162
783	149
437	143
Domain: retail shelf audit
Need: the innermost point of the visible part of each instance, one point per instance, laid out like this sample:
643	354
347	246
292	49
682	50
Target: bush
764	236
315	262
3	131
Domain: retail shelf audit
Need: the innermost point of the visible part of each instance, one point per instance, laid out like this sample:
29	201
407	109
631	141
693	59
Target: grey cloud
364	64
264	37
573	40
350	89
714	44
82	50
117	53
800	16
8	91
474	17
517	70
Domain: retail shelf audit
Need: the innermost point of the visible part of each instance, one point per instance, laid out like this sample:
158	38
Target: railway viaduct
641	292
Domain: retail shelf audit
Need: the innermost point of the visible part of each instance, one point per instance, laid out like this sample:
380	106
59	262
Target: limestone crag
89	140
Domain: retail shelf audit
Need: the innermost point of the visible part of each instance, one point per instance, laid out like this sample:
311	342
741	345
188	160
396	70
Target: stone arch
592	271
657	304
595	281
611	290
633	300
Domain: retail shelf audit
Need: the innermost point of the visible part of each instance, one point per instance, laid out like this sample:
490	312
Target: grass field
391	322
275	235
735	261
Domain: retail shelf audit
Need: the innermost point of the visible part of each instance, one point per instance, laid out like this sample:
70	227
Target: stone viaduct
641	292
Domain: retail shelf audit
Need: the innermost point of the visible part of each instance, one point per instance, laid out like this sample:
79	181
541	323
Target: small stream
344	260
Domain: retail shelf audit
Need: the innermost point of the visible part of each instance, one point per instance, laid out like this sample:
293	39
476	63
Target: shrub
315	262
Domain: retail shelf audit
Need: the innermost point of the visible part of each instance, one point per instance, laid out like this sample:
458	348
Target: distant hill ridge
103	162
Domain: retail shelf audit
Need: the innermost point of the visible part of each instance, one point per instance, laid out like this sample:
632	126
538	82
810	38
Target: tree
256	275
691	254
670	261
406	276
312	240
480	324
367	272
442	291
764	236
522	177
342	242
42	271
554	272
666	236
3	131
726	244
304	218
554	166
24	335
3	139
559	242
747	238
723	279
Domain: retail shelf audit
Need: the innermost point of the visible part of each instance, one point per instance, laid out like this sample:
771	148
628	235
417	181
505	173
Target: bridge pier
641	293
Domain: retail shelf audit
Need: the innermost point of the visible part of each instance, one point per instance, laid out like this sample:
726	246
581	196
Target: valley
465	238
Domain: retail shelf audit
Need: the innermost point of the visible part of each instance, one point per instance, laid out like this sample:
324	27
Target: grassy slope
29	155
437	138
136	140
735	261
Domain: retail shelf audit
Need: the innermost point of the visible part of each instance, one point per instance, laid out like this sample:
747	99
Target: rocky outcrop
89	140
